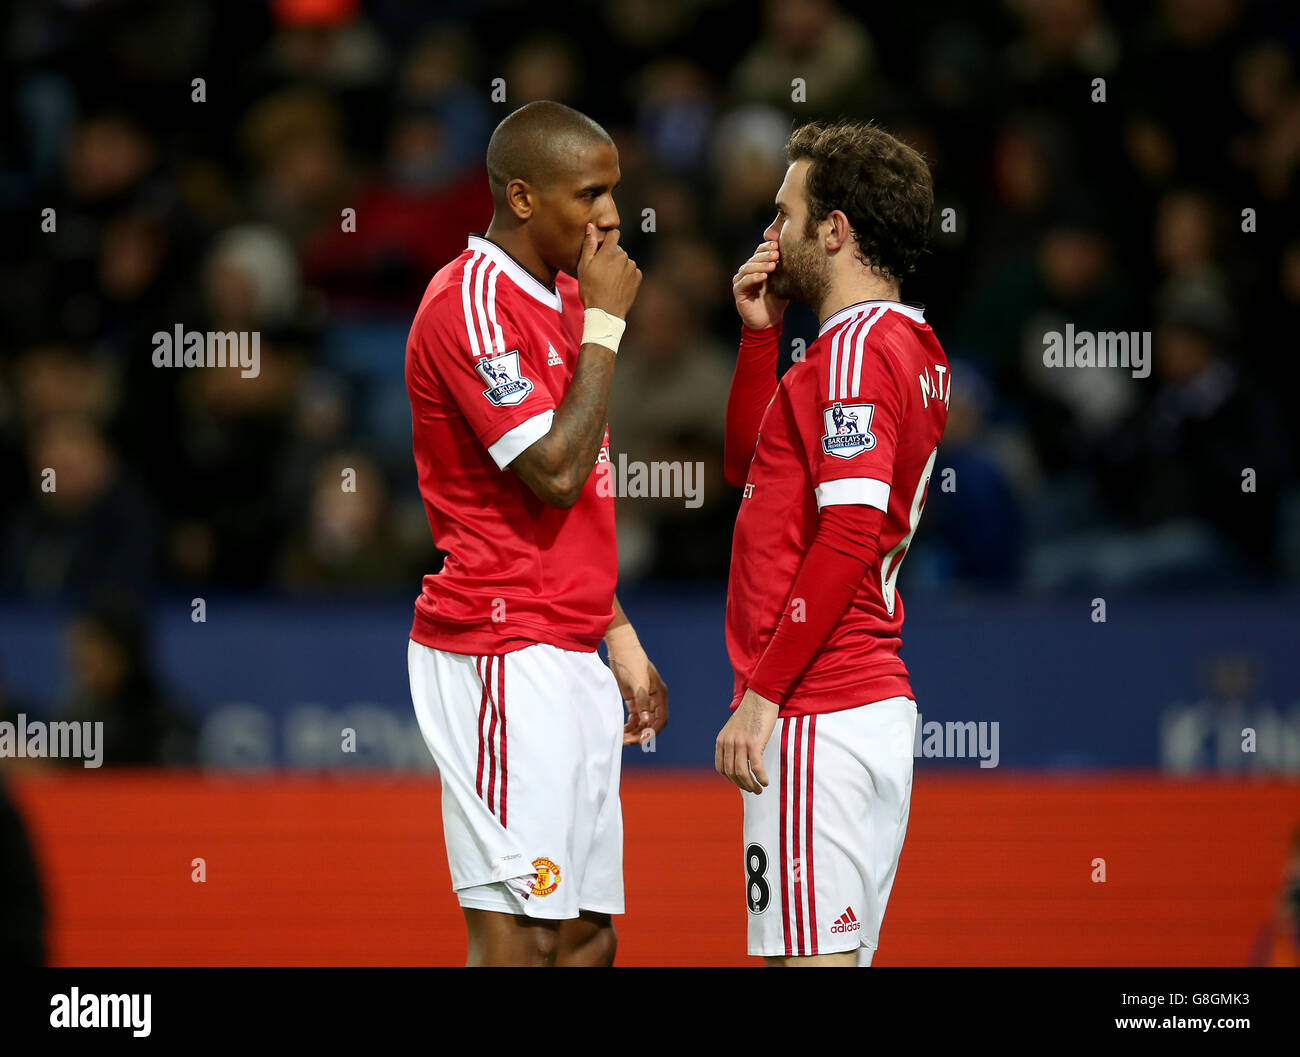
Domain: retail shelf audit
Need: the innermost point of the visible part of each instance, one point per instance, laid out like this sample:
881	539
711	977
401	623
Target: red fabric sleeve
495	393
842	552
850	410
752	388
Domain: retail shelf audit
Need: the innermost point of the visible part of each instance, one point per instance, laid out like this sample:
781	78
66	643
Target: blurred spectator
676	377
1065	48
748	160
113	682
348	536
295	142
88	526
325	40
1059	38
1028	159
414	218
667	406
60	380
237	438
1268	95
676	114
251	280
1193	474
108	158
814	42
1187	243
1072	277
411	217
973	521
543	67
1204	427
1180	83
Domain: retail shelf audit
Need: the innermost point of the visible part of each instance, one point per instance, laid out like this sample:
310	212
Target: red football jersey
857	421
488	360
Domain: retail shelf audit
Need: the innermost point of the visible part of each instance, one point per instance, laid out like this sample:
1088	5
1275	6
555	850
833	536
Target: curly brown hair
878	182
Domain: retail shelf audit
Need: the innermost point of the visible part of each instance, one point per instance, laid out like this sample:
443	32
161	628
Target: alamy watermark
211	348
75	1010
1129	350
58	740
953	740
634	479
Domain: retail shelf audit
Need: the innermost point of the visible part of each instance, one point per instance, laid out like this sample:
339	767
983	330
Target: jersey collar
521	276
915	313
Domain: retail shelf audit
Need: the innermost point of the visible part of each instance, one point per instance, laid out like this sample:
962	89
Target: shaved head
553	172
539	143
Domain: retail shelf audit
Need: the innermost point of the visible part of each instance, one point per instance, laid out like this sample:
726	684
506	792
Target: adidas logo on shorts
846	922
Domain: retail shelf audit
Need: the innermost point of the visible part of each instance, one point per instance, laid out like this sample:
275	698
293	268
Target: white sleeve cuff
848	491
512	443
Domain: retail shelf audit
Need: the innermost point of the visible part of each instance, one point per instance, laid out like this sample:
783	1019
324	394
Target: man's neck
853	291
512	240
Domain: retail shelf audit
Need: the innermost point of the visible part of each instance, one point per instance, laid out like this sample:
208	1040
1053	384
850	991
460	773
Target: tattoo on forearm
579	424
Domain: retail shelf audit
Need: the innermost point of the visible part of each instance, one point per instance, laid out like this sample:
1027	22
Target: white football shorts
529	747
822	841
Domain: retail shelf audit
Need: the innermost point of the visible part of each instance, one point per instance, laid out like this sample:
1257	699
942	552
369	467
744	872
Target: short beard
802	275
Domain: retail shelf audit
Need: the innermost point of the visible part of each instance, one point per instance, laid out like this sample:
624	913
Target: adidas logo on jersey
553	357
847	922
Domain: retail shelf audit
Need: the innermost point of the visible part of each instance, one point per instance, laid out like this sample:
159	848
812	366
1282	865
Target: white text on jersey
940	389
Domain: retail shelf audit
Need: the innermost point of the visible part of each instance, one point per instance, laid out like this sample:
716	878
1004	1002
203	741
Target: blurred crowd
301	168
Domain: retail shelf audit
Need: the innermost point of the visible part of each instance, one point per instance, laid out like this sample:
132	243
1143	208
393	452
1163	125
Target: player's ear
840	230
521	198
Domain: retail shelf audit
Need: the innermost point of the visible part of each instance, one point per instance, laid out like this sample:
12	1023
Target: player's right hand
757	306
738	751
608	278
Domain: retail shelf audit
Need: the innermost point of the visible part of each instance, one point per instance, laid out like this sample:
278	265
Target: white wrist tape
600	328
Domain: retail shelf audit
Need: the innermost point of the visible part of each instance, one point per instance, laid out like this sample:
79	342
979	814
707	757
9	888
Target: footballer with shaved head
509	364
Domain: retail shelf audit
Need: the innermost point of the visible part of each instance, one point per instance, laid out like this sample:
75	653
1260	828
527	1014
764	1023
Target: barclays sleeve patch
506	386
848	429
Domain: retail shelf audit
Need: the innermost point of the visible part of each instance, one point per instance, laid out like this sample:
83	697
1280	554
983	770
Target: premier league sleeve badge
506	386
848	429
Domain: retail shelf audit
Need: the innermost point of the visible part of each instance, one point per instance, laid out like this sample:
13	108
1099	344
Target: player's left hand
644	693
645	724
738	752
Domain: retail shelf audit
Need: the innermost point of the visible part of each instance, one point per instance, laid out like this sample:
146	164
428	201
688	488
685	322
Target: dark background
1072	486
225	214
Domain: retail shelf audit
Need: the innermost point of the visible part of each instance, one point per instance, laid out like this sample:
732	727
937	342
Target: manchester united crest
548	877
